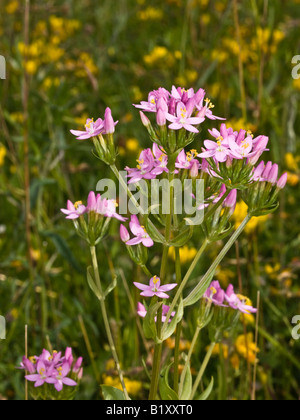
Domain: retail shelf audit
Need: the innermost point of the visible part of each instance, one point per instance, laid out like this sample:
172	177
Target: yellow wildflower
235	361
246	347
216	350
186	254
240	214
291	162
150	13
2	154
133	387
293	179
132	145
12	7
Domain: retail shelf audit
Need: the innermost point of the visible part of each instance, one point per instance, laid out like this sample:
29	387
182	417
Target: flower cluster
95	204
269	173
54	369
178	107
234	145
216	295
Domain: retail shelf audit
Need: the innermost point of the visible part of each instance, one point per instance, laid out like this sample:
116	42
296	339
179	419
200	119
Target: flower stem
185	280
193	344
106	321
202	370
179	325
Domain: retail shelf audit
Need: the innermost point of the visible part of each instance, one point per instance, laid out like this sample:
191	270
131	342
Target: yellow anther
220	138
153	101
32	359
42	371
155	279
76	205
249	133
207	101
213	290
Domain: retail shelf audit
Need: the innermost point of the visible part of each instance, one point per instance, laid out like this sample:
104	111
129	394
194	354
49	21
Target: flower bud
124	234
109	124
194	172
273	175
231	199
282	181
145	120
258	171
161	118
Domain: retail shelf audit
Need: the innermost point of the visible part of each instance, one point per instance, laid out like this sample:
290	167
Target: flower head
140	233
92	129
142	312
155	288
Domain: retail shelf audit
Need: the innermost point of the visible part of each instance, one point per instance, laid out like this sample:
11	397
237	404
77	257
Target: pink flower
205	111
215	294
183	119
155	289
92	129
140	233
161	161
186	161
144	168
74	211
219	150
237	302
44	375
61	379
142	312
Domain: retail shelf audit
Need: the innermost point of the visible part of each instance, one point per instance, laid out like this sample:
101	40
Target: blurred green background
82	57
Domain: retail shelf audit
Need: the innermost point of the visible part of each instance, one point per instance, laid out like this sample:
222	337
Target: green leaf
111	287
191	299
92	284
166	392
207	392
112	394
187	384
149	324
153	232
183	237
173	324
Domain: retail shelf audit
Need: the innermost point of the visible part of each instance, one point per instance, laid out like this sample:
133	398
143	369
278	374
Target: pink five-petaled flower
155	289
44	374
215	294
161	161
218	150
92	129
183	119
187	160
61	379
144	168
140	233
74	211
238	302
142	312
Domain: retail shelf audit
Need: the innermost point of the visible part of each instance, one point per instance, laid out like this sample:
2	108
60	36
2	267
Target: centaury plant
173	193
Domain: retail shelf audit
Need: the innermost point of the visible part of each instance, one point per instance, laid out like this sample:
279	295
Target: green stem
184	282
217	205
203	369
179	325
106	321
193	344
163	275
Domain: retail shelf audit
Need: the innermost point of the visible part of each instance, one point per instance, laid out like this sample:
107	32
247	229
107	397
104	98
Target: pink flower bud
145	120
109	124
194	172
258	171
266	172
231	199
161	118
124	234
282	181
273	175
